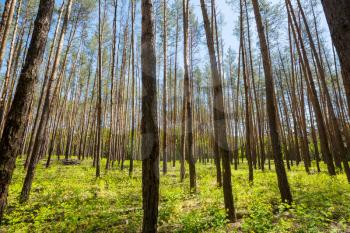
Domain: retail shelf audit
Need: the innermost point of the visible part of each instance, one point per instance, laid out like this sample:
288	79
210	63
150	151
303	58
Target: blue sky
230	17
229	20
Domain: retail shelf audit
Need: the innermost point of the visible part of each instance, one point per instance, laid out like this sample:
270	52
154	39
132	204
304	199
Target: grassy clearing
70	199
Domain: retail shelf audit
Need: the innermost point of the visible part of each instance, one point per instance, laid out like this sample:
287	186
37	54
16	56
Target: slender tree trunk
99	95
248	120
219	119
271	109
131	167
175	87
114	51
6	86
188	96
5	16
164	145
5	30
182	139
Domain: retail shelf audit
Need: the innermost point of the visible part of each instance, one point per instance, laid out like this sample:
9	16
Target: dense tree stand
243	105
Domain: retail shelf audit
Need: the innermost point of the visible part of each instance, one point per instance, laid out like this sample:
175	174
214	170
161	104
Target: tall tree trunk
131	166
99	95
114	51
175	86
219	119
271	109
188	97
149	122
247	97
257	105
164	145
15	123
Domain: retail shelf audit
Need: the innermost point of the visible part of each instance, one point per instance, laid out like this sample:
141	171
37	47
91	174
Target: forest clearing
175	116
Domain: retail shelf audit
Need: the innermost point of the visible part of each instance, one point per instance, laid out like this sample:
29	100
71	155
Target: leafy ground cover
71	199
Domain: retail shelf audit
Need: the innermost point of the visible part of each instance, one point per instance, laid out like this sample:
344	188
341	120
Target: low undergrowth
71	199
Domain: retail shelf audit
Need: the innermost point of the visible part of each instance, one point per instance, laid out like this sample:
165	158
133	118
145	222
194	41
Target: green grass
70	199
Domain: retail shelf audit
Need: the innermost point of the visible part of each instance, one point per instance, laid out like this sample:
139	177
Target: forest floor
70	199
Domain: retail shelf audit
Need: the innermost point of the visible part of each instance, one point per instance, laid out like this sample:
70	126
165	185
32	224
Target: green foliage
70	199
260	219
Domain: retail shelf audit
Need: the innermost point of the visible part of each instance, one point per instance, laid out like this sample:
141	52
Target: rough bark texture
338	17
15	123
271	109
149	125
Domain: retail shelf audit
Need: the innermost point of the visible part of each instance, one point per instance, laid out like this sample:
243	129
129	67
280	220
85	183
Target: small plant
70	199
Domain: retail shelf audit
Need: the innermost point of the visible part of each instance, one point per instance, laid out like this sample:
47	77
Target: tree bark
149	122
15	123
271	109
131	167
113	66
164	145
338	17
5	26
99	95
188	103
219	119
